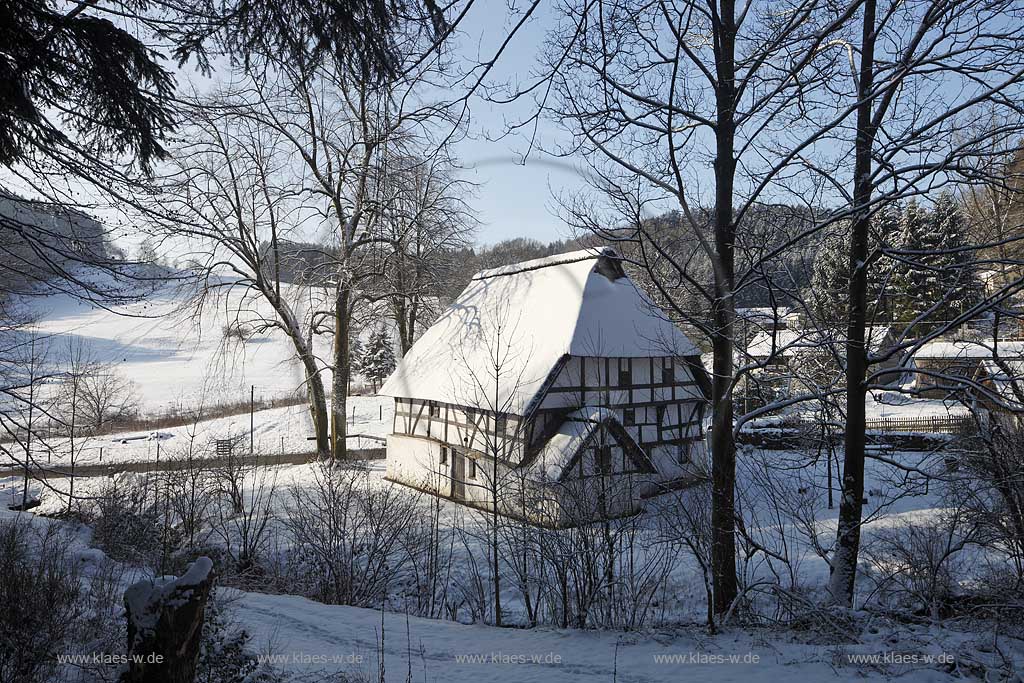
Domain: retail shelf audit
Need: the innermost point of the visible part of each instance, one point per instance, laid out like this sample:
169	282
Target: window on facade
444	455
625	373
500	424
435	410
629	417
668	373
603	459
659	413
472	468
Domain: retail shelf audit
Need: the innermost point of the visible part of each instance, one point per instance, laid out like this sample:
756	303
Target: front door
458	475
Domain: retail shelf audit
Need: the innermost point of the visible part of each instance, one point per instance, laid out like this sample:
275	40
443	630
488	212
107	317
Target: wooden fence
948	424
945	424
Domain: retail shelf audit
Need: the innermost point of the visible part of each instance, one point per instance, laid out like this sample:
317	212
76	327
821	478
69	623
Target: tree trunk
339	380
844	558
317	403
723	446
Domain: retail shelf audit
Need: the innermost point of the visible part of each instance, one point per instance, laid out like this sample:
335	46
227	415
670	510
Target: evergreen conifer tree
379	360
933	276
830	277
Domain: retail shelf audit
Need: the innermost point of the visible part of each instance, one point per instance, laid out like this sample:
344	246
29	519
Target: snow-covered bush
347	537
990	490
244	517
917	566
236	332
129	525
428	546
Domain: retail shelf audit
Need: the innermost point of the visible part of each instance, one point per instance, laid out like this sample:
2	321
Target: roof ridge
589	253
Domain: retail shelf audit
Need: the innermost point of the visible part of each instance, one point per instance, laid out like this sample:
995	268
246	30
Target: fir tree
379	360
355	356
933	276
961	285
830	278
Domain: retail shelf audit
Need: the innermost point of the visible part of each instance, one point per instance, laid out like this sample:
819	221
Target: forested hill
787	273
39	241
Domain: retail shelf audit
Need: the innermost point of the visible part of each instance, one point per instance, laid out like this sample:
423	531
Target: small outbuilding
982	370
554	390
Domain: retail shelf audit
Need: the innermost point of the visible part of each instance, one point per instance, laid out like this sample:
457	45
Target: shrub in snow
129	525
989	492
236	331
102	626
225	652
917	567
347	537
243	518
40	601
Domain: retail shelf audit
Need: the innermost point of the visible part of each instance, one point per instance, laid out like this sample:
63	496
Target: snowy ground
298	630
893	404
314	640
307	637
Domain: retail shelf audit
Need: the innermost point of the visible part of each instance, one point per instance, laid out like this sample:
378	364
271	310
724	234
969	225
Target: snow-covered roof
522	319
766	342
789	341
558	452
1009	350
1006	378
762	314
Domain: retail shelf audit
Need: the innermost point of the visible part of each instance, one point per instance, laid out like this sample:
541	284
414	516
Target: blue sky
512	199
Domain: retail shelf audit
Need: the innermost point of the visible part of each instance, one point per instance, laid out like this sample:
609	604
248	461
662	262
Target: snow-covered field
175	356
171	354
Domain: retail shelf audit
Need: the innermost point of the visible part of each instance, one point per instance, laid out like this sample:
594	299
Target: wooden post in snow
165	624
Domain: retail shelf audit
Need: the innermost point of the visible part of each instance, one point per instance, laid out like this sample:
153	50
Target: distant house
981	369
779	348
774	346
552	387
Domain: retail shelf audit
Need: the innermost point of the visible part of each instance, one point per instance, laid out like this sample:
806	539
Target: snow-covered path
276	430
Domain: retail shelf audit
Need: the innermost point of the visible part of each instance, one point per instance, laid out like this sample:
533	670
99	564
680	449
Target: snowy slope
170	356
299	630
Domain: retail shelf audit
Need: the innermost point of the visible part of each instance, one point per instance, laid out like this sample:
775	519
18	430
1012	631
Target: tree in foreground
921	75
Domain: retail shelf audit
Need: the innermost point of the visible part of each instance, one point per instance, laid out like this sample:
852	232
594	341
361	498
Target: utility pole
252	416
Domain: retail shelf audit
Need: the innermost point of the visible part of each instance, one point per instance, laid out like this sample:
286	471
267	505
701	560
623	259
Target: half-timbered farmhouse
552	389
